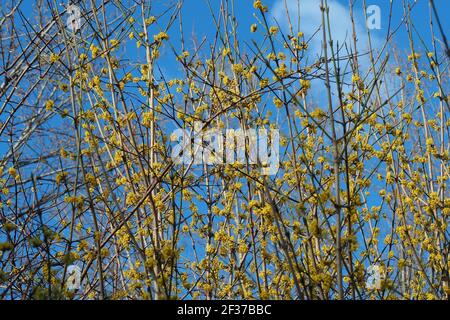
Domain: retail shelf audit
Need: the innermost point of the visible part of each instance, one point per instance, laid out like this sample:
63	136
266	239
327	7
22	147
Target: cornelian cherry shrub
286	149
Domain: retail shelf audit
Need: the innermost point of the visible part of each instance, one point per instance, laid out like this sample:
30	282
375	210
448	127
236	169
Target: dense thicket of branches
87	177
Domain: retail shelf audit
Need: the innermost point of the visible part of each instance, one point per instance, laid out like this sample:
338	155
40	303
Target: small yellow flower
277	102
150	20
161	37
258	5
147	119
54	57
94	50
306	84
318	113
83	57
264	83
12	171
60	177
273	30
114	43
271	56
356	78
303	46
238	68
49	104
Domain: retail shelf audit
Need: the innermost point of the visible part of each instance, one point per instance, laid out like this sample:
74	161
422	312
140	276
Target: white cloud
310	15
306	16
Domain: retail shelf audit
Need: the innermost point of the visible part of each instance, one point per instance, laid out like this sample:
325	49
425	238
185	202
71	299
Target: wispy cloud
306	16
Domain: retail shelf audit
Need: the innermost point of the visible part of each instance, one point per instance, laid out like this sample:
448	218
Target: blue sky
197	18
198	24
